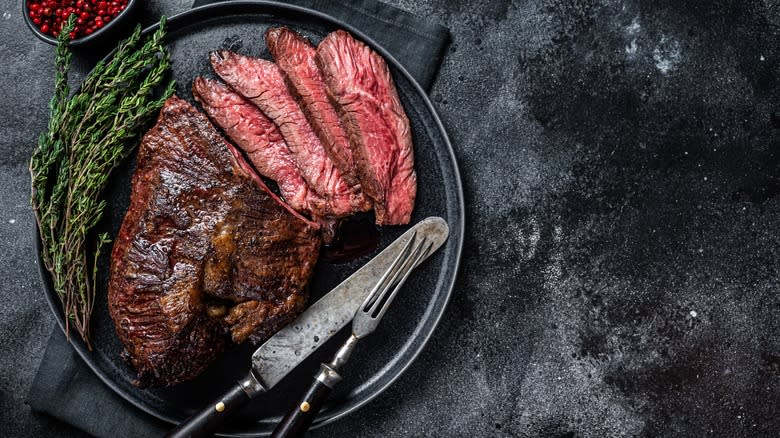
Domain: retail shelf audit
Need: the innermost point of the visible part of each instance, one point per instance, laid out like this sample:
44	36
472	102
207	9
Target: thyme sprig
88	135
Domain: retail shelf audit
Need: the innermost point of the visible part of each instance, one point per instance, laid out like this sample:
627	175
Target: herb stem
88	135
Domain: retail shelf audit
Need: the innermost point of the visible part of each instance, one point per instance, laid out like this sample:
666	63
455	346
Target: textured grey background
620	276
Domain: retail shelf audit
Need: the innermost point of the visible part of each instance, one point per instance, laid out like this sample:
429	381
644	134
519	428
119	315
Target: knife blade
294	343
291	345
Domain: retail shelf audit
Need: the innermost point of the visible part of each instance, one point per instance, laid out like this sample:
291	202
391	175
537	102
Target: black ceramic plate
407	326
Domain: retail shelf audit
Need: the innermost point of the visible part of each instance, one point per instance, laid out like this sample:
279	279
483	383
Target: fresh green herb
88	135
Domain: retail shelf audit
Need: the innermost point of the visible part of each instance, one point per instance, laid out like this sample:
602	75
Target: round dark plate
382	357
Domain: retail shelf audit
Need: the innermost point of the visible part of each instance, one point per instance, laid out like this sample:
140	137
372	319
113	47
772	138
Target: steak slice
256	135
295	57
360	84
261	82
201	234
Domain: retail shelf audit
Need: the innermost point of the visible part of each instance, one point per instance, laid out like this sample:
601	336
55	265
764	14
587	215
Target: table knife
280	354
302	414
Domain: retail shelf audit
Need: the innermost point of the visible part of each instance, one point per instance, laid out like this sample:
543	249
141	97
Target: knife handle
207	421
302	414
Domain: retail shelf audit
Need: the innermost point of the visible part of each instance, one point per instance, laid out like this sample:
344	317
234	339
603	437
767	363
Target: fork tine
383	303
382	293
392	270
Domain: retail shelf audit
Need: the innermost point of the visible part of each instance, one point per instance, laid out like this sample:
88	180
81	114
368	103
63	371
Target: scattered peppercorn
50	15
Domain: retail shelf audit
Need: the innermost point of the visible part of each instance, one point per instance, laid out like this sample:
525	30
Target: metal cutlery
366	320
290	346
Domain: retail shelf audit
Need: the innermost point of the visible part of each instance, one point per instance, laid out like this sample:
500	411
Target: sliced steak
257	135
360	84
201	234
295	57
262	82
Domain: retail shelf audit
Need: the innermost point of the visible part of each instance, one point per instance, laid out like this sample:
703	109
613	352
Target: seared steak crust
360	84
201	230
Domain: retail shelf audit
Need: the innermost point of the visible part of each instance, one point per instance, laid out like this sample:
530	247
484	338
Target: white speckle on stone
631	31
634	27
694	314
631	48
705	178
553	272
701	250
6	15
533	238
11	221
666	55
686	152
761	58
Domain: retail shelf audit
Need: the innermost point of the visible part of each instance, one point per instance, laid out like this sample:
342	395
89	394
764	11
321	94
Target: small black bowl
105	35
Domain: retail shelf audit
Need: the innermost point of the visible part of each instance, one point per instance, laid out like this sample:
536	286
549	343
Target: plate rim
78	344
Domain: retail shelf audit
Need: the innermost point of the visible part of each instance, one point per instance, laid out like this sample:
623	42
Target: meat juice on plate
355	238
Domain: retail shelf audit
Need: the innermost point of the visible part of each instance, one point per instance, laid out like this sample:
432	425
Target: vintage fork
367	317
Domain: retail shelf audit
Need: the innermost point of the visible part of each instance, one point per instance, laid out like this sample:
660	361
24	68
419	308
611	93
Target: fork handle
300	416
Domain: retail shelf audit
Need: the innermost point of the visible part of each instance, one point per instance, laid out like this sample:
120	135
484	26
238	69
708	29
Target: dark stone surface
620	277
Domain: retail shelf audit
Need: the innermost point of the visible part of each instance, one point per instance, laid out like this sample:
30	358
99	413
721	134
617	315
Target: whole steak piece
360	84
204	250
262	82
295	57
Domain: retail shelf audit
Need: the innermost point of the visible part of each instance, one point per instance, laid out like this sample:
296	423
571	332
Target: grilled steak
360	84
262	83
202	237
253	132
295	57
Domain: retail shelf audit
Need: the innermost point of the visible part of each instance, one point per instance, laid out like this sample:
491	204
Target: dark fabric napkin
67	389
418	45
